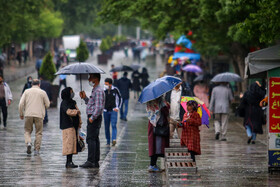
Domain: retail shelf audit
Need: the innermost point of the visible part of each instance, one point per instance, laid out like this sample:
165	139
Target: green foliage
104	46
82	52
48	69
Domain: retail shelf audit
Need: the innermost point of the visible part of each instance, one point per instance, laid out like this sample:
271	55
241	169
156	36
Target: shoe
36	152
249	140
125	119
223	139
154	169
87	164
70	165
253	142
96	165
28	148
107	145
114	142
217	136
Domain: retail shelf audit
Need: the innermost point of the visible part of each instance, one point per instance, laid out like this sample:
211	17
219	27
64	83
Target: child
190	134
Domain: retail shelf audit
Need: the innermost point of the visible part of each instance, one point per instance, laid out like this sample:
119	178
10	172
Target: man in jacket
113	101
6	98
32	107
177	112
219	105
95	105
124	84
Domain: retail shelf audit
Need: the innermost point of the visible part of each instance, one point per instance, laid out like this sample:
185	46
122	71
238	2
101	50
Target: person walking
32	108
28	84
144	78
190	135
136	83
70	122
177	112
219	106
62	81
114	75
124	84
95	105
157	109
47	87
113	101
6	98
254	115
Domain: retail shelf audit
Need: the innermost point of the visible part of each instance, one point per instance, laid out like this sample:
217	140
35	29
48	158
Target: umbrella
226	77
192	68
202	109
191	56
135	66
122	68
199	78
79	69
183	40
158	88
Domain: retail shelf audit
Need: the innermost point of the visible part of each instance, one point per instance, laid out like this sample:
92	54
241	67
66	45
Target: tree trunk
238	53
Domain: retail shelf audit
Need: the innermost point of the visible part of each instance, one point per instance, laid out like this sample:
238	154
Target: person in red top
190	134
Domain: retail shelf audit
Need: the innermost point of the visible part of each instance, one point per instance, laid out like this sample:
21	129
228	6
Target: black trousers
62	82
93	139
4	110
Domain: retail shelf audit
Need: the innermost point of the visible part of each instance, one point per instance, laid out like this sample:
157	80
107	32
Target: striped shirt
95	103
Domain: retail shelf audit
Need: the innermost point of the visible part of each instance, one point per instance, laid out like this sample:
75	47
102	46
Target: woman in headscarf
70	121
144	78
28	84
156	109
254	115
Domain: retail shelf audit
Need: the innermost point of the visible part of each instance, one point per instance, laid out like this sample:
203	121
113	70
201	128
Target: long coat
152	137
190	134
254	115
136	81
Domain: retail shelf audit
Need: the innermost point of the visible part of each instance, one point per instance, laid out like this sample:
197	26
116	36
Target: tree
48	69
82	52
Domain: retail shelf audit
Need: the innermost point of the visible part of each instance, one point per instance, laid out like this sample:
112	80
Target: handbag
162	128
81	145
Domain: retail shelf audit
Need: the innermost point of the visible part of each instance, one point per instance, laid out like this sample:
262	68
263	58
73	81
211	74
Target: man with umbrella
95	106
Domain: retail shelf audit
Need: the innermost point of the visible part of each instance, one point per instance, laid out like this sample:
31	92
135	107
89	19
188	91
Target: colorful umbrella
202	109
188	55
192	68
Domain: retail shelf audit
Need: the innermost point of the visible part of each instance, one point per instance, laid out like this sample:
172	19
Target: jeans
124	114
4	111
250	133
110	117
93	139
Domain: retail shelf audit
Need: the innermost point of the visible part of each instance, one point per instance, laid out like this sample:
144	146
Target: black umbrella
121	68
79	69
135	66
226	77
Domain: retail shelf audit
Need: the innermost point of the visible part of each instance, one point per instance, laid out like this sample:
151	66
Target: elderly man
95	105
219	105
32	107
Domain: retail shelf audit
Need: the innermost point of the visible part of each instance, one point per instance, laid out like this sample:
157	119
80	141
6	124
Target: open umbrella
202	109
192	68
79	69
190	56
135	66
158	88
121	68
226	77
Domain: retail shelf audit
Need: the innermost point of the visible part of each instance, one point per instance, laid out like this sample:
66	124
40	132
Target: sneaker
249	139
217	136
28	148
154	169
87	164
223	139
36	152
253	142
114	142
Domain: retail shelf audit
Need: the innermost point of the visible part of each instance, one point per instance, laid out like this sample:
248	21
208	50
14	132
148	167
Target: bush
48	69
104	45
82	52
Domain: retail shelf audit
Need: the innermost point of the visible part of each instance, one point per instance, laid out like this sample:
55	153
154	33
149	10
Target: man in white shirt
32	107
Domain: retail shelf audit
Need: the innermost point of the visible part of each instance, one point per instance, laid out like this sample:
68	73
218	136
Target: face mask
106	87
30	81
72	95
91	84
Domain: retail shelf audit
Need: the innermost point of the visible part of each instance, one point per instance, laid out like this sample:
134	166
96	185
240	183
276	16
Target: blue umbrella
183	40
158	88
191	56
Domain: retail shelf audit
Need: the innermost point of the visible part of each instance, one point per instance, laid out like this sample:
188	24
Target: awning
259	62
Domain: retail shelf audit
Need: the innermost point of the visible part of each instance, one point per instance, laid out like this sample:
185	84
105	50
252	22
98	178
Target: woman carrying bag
158	131
70	122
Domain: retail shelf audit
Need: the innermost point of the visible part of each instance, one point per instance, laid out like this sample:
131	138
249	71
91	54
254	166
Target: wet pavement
231	163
